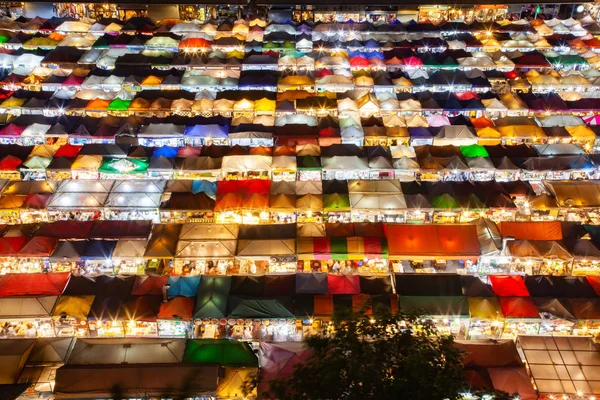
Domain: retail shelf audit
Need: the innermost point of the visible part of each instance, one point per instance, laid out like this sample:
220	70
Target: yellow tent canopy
265	105
44	150
522	131
488	136
13	102
485	308
90	162
73	306
581	132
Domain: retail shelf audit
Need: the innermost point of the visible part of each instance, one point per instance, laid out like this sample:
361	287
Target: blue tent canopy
186	286
165	151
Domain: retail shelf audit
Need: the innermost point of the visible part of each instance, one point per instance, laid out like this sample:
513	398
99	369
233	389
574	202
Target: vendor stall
487	320
70	315
175	318
412	248
449	314
27	317
522	317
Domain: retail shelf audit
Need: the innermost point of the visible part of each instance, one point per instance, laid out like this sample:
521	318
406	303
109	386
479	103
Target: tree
382	356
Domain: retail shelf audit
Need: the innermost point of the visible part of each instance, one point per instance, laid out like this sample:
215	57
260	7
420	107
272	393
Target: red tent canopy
120	229
73	80
9	246
188	151
12	130
66	229
68	150
509	285
37	201
594	281
194	43
10	163
38	246
343	284
149	285
359	62
518	307
413	61
33	284
251	186
177	308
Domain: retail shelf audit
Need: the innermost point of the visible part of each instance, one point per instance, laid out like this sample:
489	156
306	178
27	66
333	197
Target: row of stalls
300	162
287	308
369	249
284	99
220	367
323	130
262	201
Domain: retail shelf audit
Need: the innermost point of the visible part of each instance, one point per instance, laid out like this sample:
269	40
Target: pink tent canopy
513	380
438	120
277	360
592	120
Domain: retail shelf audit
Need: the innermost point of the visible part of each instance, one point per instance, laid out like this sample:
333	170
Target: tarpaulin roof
451	242
435	305
508	285
172	380
74	306
220	352
542	230
186	286
13	355
258	308
315	283
428	285
33	284
211	301
518	307
343	284
178	308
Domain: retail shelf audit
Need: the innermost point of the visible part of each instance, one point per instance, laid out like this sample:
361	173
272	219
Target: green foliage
383	356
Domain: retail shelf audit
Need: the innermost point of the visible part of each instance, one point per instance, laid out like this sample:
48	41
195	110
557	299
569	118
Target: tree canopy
376	357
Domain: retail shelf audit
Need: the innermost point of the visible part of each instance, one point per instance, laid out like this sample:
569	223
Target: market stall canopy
447	306
33	284
452	242
14	354
220	352
211	301
127	351
428	285
93	381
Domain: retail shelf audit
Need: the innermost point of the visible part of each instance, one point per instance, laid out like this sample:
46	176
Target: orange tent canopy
546	230
433	241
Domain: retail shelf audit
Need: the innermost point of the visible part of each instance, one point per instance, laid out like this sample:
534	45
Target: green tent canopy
260	309
474	150
336	202
211	301
445	201
308	163
435	305
111	165
119	105
219	351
